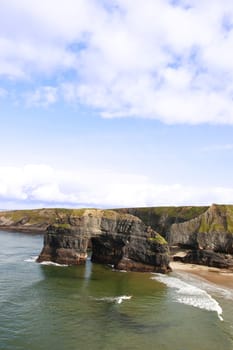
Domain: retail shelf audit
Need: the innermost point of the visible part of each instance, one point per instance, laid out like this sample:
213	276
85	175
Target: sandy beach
214	275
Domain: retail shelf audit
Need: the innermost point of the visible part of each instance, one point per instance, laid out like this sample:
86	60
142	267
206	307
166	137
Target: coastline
221	277
30	229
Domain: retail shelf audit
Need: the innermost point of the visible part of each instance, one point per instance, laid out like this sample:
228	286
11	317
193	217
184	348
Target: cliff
211	230
121	240
35	221
162	218
206	233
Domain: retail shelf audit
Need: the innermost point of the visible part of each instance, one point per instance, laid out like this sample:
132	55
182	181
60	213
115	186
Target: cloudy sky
114	103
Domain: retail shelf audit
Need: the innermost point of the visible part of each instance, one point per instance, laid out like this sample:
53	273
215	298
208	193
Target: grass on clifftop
185	213
40	216
219	219
36	216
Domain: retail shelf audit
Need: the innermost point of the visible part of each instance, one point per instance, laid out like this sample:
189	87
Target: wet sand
220	277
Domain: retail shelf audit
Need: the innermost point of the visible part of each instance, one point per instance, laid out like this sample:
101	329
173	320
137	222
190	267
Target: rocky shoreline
120	240
24	229
218	276
134	238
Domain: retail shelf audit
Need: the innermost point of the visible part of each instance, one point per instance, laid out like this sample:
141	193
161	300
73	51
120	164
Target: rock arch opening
121	240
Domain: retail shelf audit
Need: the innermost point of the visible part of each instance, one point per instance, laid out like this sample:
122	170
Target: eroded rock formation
205	233
121	240
202	232
208	258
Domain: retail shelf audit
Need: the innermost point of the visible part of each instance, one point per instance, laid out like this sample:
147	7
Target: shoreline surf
214	275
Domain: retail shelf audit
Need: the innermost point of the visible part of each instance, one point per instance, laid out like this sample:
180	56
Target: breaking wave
189	294
210	287
31	259
49	263
116	300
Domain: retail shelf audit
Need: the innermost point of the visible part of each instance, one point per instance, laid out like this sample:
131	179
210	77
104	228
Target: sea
54	307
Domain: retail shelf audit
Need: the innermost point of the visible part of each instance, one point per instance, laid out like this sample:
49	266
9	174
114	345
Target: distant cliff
32	221
205	232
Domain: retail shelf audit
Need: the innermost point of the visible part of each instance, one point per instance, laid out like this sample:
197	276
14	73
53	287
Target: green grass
112	214
157	239
229	215
70	212
185	213
220	219
37	216
41	216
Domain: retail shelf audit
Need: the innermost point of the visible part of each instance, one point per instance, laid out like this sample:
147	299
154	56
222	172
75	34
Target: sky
116	103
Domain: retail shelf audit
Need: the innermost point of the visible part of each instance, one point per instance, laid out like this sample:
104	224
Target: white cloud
43	96
42	185
150	59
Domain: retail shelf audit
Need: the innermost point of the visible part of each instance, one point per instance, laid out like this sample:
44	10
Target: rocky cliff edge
120	240
204	233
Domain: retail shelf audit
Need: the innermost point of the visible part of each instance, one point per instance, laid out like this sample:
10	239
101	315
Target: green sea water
46	307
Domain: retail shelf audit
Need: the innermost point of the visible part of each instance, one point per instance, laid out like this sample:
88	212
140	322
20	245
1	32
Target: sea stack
118	239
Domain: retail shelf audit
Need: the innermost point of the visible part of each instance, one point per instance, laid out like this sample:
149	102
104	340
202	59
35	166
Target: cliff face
208	228
36	220
121	240
205	231
162	218
212	230
209	236
26	220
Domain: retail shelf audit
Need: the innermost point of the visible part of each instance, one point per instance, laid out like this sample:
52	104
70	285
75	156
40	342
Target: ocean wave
189	294
116	300
34	258
31	259
210	287
51	263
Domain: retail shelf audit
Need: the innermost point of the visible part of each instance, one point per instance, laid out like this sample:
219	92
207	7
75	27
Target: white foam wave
51	263
117	300
210	287
34	258
31	259
189	294
116	270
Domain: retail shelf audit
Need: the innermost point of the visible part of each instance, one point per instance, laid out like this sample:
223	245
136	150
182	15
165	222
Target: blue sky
116	103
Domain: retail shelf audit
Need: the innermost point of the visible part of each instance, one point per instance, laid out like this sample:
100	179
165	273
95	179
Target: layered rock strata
198	231
205	233
120	240
208	258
